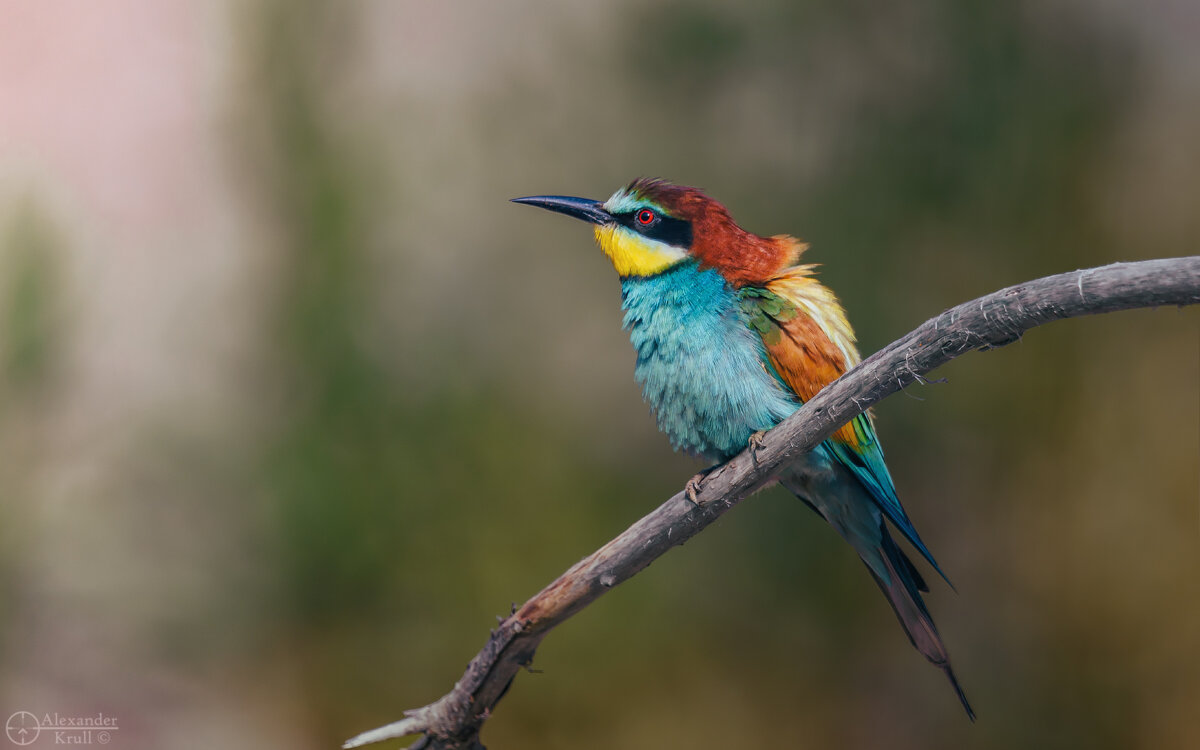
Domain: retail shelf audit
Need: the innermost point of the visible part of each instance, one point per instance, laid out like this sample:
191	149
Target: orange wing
805	333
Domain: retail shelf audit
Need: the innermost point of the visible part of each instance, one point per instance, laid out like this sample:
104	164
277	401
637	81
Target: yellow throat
634	255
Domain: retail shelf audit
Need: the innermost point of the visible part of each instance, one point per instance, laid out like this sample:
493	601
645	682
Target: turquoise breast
701	368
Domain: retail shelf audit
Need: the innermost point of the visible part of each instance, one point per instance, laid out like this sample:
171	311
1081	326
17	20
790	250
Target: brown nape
742	257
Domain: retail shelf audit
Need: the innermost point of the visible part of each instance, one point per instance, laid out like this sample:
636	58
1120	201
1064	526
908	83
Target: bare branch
1000	318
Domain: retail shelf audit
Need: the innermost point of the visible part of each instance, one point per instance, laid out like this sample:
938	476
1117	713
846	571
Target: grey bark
992	321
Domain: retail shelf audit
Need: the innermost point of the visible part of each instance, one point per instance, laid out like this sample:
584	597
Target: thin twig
454	721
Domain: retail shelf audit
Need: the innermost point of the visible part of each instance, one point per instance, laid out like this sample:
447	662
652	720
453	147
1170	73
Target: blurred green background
293	402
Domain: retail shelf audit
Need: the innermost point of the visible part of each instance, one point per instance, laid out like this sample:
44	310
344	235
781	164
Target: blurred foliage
31	322
30	316
333	465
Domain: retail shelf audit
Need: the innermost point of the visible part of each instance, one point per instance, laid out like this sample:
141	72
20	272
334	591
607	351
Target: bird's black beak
581	208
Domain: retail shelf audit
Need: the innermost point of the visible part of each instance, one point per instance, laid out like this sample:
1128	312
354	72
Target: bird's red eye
645	216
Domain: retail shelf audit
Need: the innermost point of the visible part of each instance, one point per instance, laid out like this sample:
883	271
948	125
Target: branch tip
406	726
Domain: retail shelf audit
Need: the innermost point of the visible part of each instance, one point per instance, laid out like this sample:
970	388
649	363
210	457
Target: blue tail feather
869	467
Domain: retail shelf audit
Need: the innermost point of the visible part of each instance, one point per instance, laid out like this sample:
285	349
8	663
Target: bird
732	334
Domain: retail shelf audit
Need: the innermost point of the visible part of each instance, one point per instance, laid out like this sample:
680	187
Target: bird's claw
694	484
756	442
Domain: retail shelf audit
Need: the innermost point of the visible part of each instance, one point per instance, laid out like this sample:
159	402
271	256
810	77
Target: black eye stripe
665	229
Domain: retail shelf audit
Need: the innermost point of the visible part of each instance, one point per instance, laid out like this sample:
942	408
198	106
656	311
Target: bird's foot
695	483
756	443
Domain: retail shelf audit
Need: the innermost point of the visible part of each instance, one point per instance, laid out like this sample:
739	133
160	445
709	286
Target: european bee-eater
732	335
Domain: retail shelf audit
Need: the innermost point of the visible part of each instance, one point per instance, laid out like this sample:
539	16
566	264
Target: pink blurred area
113	123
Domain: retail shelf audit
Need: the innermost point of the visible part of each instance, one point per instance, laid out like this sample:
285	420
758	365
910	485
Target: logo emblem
22	728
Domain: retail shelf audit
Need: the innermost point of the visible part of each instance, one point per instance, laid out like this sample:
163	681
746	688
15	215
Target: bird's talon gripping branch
693	486
756	443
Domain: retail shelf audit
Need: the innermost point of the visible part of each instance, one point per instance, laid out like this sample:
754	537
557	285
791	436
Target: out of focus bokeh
293	402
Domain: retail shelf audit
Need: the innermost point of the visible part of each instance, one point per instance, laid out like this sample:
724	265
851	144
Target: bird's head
652	225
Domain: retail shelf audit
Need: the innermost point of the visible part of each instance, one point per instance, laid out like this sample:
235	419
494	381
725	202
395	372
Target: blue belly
702	370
